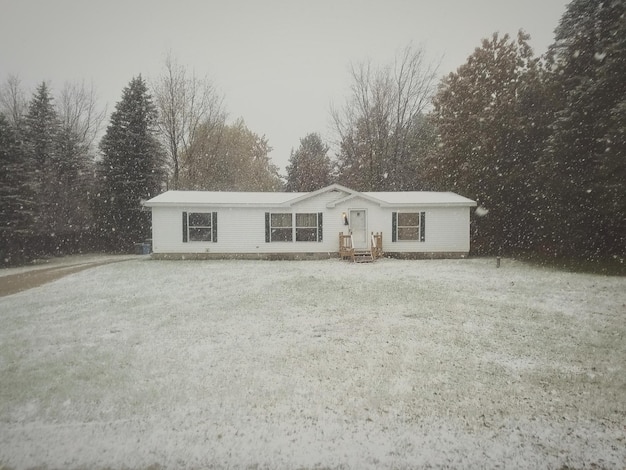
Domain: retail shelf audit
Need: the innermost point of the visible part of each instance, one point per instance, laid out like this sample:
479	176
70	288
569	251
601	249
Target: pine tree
131	168
587	150
62	174
41	135
16	195
309	166
492	126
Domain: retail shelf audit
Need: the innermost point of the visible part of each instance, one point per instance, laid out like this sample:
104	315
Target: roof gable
342	191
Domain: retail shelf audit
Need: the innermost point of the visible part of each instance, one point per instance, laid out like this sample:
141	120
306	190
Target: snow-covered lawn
256	364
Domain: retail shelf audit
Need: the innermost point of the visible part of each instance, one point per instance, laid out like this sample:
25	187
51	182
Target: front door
358	225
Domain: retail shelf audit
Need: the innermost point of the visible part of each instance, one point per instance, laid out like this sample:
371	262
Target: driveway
13	280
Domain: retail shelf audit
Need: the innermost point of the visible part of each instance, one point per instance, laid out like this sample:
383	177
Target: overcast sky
279	63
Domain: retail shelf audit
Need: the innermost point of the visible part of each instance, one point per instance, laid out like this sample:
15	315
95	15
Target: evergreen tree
491	124
16	195
309	166
41	135
62	172
587	150
131	168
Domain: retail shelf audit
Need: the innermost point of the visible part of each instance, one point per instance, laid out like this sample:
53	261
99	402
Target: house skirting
251	256
299	256
428	255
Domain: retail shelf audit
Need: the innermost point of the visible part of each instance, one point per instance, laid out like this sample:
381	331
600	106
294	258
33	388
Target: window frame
282	228
420	228
295	229
315	227
189	225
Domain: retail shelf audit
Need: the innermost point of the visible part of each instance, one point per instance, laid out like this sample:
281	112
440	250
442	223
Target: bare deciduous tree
186	105
376	125
78	113
13	102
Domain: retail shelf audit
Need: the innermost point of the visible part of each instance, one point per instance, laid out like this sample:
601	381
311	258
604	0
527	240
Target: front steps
362	256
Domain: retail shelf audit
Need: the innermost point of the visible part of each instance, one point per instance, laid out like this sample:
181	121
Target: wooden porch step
362	256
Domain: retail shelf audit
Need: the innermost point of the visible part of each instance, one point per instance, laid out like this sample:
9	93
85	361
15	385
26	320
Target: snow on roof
234	198
420	197
226	198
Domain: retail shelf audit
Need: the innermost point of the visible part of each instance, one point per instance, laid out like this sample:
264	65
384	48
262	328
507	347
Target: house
318	224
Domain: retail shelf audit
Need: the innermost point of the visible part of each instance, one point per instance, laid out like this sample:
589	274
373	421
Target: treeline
47	171
60	193
538	142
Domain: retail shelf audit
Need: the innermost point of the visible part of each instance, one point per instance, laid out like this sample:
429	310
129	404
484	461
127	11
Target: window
279	227
199	227
408	226
306	227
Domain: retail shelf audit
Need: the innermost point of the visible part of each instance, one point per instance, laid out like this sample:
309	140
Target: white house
207	224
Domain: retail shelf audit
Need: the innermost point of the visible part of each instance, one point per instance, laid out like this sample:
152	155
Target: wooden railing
346	246
347	251
377	245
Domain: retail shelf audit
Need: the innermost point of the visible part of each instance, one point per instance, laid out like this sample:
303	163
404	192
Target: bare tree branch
77	111
375	125
187	105
13	101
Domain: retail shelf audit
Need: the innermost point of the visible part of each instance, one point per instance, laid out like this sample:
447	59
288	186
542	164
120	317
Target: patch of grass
606	267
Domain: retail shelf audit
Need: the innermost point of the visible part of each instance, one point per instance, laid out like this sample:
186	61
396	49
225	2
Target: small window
199	226
281	227
306	227
408	226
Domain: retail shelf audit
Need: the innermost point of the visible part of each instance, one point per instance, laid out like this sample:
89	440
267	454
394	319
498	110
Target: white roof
420	197
273	199
221	198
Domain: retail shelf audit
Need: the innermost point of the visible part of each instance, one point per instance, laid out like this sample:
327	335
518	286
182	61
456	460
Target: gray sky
279	63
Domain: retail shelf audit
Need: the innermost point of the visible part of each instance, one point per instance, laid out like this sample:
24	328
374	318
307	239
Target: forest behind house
538	141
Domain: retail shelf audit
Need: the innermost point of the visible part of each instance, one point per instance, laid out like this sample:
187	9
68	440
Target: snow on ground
257	364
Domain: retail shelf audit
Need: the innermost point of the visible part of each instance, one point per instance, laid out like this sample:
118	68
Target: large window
408	226
306	227
287	227
199	227
281	227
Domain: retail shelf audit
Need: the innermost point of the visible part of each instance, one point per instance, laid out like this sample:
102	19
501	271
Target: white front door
358	225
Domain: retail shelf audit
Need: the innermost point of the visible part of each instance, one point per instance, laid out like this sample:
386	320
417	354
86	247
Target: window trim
319	227
421	227
269	229
187	227
316	226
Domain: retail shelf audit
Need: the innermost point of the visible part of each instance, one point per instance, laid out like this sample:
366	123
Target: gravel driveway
13	280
